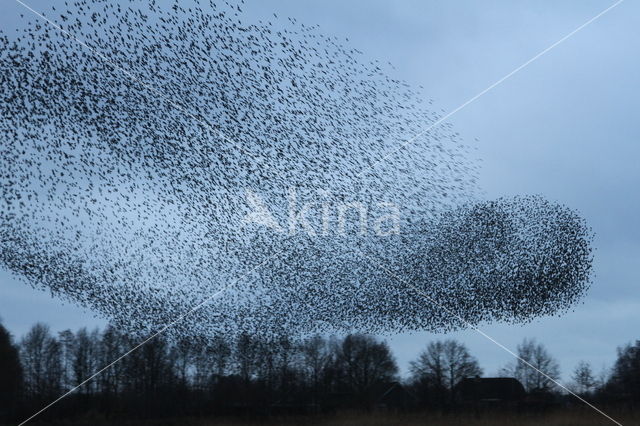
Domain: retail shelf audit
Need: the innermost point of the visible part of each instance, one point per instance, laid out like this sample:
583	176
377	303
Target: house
489	392
395	398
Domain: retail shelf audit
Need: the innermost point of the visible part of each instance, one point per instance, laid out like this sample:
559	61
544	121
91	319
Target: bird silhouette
126	164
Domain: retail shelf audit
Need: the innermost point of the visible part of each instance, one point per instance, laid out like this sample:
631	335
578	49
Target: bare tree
245	356
285	361
219	351
41	358
11	371
535	367
602	377
84	354
583	376
625	377
156	370
67	341
182	355
112	345
316	357
209	359
365	362
444	364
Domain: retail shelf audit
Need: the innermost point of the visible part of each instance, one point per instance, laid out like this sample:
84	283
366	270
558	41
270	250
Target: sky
564	127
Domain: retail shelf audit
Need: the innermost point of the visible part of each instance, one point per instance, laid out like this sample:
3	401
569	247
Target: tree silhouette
316	360
440	367
366	365
11	370
535	367
445	363
41	355
203	376
583	376
625	378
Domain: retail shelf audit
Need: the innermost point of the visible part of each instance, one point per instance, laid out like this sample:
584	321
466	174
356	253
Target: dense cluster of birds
133	132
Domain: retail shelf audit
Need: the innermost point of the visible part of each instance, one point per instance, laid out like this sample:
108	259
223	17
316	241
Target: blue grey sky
565	127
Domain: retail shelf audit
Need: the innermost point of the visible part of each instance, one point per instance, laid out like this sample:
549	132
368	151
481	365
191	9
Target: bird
125	165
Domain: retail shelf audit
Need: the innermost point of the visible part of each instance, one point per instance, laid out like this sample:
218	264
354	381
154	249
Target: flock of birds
133	131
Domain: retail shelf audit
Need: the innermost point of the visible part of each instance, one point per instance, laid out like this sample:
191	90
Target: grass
574	417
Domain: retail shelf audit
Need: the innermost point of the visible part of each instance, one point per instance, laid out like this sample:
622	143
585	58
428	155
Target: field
559	418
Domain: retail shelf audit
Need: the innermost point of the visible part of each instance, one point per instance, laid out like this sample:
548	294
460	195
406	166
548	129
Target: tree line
255	376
